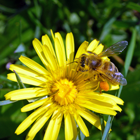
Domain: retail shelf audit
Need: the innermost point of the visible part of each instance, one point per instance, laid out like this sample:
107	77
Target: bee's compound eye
104	85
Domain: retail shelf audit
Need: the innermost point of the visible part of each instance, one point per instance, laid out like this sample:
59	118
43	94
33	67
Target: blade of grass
20	84
106	28
128	59
6	9
6	102
130	52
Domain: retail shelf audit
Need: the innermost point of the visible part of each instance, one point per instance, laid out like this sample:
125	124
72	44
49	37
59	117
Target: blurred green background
108	21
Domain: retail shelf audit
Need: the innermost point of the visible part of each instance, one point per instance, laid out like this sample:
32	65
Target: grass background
108	21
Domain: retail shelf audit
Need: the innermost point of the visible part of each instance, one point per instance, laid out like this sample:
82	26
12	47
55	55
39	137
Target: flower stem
107	128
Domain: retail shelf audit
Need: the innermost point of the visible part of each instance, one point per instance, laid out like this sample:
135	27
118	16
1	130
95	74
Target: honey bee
106	70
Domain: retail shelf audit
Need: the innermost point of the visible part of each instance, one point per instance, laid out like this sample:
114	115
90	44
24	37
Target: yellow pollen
65	92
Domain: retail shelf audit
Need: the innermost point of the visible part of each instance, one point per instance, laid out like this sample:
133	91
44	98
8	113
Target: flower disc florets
65	92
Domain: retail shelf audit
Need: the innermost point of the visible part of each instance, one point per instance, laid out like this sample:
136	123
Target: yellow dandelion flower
60	91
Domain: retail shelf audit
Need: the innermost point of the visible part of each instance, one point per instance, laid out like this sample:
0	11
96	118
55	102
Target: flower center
65	92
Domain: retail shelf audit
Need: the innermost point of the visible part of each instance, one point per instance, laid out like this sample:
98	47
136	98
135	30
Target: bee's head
82	63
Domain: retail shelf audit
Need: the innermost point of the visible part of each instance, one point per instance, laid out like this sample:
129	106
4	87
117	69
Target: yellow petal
74	126
37	126
56	127
22	92
98	108
70	47
96	96
69	134
22	97
104	103
112	87
33	105
53	128
59	53
99	49
46	41
93	45
90	117
26	79
116	99
58	35
50	58
43	93
117	108
81	49
52	34
29	120
82	125
33	65
24	70
38	48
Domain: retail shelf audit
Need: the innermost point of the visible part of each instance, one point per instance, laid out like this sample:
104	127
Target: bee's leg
81	69
100	90
87	79
92	77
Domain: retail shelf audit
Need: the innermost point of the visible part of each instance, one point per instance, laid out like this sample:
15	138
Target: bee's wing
115	49
113	77
122	81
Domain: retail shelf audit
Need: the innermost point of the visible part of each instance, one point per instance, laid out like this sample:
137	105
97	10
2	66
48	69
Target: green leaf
132	89
133	6
10	117
125	23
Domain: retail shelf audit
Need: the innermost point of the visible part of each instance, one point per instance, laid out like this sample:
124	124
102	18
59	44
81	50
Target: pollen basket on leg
65	92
